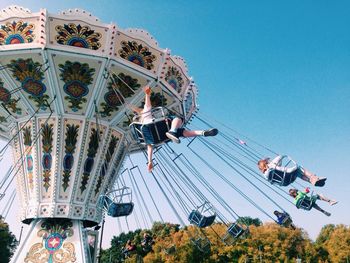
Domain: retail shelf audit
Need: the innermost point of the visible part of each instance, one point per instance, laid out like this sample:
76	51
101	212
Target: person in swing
176	130
301	196
284	219
272	168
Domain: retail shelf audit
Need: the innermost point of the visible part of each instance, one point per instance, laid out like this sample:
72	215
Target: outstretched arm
149	157
147	91
277	160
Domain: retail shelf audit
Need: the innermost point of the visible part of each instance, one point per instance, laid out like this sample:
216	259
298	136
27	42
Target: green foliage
267	242
249	221
8	242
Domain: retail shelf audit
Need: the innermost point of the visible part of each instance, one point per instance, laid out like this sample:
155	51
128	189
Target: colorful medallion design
119	88
174	77
70	146
47	139
78	36
9	103
89	161
27	141
31	76
17	32
53	248
76	77
137	53
108	157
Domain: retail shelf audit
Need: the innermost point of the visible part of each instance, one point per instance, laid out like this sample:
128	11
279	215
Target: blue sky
277	71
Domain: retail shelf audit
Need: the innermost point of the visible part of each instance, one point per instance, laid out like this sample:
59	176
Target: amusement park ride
66	81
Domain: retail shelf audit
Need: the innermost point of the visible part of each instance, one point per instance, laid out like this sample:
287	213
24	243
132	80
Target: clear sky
277	71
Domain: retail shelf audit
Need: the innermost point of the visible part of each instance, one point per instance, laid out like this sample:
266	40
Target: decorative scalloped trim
14	10
79	12
141	34
181	63
194	107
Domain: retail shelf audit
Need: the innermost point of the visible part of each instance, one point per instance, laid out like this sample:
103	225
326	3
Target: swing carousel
66	83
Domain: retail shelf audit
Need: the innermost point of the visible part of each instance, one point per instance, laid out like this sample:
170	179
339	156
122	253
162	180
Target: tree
249	221
338	244
8	242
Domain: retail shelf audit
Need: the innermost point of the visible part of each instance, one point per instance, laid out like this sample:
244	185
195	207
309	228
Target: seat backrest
158	130
200	220
207	221
235	230
282	178
305	203
121	209
135	129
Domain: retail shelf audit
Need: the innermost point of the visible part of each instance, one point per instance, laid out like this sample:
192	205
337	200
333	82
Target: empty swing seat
203	244
200	220
235	230
117	209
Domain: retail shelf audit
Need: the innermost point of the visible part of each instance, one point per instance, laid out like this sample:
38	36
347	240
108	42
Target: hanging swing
154	132
286	175
233	232
203	216
117	203
306	202
286	219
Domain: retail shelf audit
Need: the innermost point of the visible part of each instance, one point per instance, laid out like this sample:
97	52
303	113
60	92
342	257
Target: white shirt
275	165
146	115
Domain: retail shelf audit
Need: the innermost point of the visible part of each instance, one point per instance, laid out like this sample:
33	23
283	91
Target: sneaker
333	202
320	181
172	136
210	132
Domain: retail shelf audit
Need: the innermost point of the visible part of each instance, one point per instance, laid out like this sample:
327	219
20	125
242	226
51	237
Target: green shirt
299	196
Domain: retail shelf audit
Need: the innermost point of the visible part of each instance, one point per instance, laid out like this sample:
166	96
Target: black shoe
210	132
320	182
172	136
327	213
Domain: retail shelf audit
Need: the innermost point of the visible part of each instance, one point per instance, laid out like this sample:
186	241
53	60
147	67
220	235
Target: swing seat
203	244
117	209
200	220
284	219
151	133
287	220
284	178
234	231
307	202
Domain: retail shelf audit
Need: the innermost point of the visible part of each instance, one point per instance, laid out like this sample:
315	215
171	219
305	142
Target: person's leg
312	178
210	132
189	133
321	210
149	157
176	124
326	199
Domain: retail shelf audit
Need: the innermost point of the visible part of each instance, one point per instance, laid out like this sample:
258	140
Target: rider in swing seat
272	168
176	129
302	200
